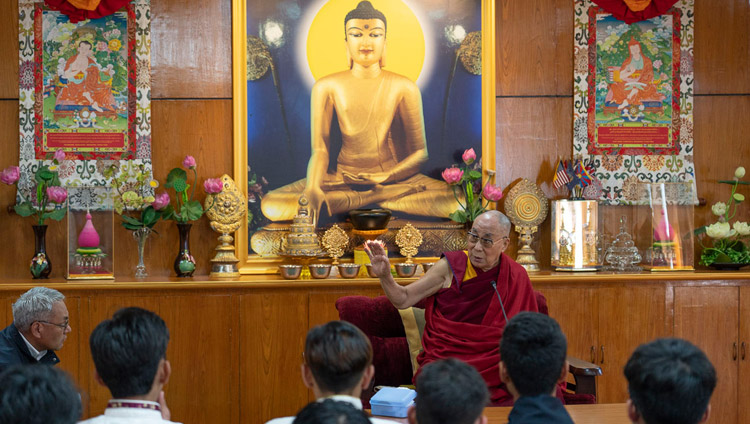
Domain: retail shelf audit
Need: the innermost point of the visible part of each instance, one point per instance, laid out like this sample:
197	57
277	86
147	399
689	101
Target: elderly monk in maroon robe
464	317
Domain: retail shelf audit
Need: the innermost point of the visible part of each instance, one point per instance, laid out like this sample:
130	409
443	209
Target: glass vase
40	266
184	263
141	235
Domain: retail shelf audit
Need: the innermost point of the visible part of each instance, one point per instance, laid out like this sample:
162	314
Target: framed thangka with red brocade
84	89
633	101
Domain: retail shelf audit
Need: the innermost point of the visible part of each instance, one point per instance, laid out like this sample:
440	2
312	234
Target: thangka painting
382	140
84	89
633	103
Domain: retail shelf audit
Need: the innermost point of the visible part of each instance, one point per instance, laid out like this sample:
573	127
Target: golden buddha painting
356	103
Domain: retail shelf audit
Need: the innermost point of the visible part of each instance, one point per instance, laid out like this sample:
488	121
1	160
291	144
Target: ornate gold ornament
408	239
335	242
226	216
527	207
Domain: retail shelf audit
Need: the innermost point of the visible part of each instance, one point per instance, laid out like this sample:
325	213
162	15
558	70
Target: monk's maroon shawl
465	321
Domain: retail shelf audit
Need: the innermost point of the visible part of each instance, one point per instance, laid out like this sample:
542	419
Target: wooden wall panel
575	309
709	318
323	305
722	47
534	49
272	338
191	49
202	344
203	129
532	133
9	54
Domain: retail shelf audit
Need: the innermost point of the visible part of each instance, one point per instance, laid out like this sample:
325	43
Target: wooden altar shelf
236	345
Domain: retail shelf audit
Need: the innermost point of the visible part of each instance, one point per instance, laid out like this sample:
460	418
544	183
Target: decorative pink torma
88	237
663	230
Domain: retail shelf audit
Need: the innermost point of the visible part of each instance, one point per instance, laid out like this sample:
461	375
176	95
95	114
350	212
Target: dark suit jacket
542	409
13	350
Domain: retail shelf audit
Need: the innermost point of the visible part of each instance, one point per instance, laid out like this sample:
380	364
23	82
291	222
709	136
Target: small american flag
561	177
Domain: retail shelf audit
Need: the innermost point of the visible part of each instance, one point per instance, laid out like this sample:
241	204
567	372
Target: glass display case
670	214
575	226
90	233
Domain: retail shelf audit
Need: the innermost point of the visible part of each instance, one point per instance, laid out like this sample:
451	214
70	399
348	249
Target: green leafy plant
728	242
467	178
47	199
186	208
133	198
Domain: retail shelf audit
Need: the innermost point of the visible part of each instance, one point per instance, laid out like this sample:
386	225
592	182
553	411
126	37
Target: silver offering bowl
320	270
405	270
290	271
426	266
349	270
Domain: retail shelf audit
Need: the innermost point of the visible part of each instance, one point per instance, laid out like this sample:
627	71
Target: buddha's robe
86	81
465	321
645	89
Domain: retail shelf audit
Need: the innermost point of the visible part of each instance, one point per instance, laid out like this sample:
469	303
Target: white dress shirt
126	411
32	350
340	398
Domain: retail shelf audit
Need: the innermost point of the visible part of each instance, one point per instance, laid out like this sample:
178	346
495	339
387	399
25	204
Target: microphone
494	286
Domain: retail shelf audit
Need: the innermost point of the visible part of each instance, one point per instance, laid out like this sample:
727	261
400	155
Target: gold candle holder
225	210
335	241
408	239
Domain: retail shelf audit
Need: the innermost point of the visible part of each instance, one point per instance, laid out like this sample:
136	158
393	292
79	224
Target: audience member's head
38	394
532	351
41	316
670	381
330	411
129	353
338	359
449	392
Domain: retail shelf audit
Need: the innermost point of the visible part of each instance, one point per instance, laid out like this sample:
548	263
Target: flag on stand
561	177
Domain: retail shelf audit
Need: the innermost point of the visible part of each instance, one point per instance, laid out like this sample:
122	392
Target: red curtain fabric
620	10
105	8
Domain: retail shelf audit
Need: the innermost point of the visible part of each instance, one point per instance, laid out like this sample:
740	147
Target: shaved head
497	218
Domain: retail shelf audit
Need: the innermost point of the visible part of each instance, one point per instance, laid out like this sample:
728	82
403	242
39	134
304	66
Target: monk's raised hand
381	266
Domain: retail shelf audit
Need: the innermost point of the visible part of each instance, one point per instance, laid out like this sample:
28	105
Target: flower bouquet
467	178
186	209
135	203
728	242
43	202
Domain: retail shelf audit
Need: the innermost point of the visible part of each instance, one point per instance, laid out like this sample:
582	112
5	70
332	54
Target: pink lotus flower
161	200
452	175
188	162
213	186
57	194
10	175
492	193
59	156
469	156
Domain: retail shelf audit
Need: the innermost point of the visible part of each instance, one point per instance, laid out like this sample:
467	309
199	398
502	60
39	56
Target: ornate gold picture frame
247	11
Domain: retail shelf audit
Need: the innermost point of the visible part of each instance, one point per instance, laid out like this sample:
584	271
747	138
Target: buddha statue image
383	142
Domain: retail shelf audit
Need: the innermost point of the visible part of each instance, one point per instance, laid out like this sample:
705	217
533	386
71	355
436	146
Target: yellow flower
154	183
115	45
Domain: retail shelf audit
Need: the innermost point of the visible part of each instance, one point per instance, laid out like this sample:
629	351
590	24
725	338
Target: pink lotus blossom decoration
663	230
59	156
452	175
213	186
161	200
57	194
88	237
188	162
10	175
492	193
469	156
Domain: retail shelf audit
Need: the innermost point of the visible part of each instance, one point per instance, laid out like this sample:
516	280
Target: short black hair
330	411
365	10
38	394
450	391
127	350
337	353
670	381
533	349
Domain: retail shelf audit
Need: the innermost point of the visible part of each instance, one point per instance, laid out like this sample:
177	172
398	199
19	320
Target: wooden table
605	413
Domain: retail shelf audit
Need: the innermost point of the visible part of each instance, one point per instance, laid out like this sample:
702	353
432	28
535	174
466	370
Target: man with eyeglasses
40	327
470	295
